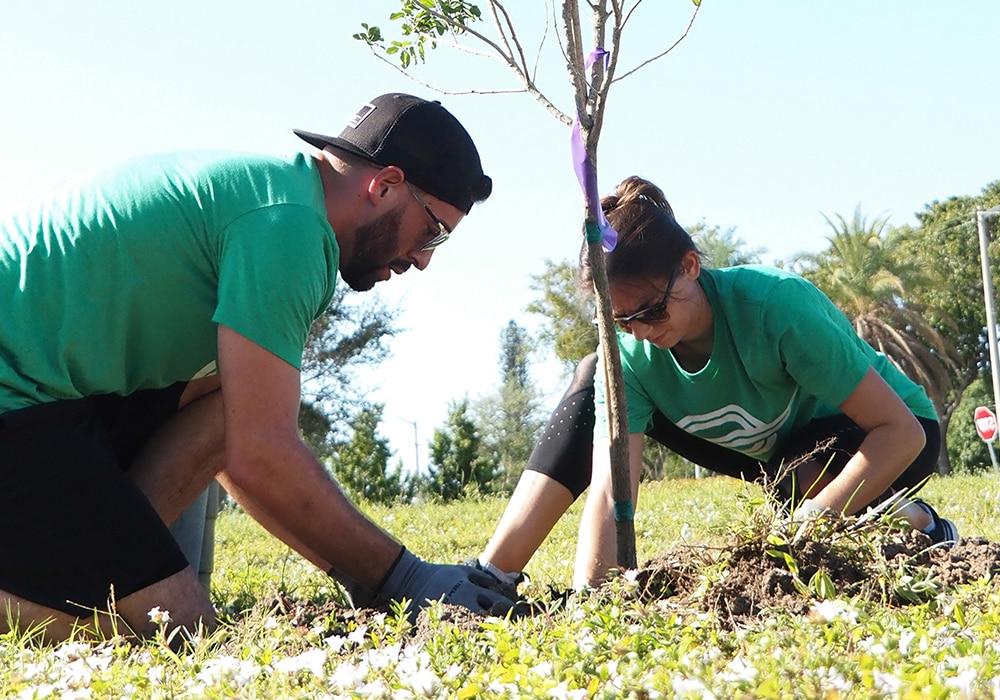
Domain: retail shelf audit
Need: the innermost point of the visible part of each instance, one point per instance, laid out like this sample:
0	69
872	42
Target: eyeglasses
443	229
651	314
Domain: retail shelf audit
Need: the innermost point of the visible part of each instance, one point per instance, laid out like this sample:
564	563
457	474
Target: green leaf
405	59
697	3
822	585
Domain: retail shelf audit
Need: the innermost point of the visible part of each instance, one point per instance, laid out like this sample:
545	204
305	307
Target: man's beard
375	249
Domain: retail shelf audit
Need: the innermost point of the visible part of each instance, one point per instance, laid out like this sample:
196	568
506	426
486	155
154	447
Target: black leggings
565	450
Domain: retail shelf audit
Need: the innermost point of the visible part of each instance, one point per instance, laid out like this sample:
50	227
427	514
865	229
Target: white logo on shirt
746	433
211	368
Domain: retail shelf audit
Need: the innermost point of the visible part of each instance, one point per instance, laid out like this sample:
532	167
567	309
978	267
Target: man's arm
267	460
291	493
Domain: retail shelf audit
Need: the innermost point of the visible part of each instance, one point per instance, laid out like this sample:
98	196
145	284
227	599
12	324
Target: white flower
543	669
832	679
376	689
686	533
348	676
71	651
240	672
37	692
335	642
311	660
631	577
159	617
830	610
905	639
270	623
452	672
964	683
586	642
684	686
739	671
383	657
75	694
887	683
154	674
358	635
423	682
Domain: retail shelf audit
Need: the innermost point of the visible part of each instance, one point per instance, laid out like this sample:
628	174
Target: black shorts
73	525
565	450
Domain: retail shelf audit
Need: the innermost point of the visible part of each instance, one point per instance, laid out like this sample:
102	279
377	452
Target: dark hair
650	241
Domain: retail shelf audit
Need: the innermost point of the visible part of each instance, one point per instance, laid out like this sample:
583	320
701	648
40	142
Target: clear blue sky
767	115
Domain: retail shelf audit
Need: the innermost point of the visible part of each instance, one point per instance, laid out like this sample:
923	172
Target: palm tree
863	276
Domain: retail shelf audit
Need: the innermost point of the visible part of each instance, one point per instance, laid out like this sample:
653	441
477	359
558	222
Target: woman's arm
596	542
894	440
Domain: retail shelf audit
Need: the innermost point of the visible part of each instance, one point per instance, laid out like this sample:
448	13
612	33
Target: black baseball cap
422	138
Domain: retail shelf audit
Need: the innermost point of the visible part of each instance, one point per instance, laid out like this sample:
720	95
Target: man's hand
806	515
423	582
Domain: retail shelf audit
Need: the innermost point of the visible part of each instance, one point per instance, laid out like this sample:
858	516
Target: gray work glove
423	582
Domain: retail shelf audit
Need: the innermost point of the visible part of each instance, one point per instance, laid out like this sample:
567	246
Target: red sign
986	423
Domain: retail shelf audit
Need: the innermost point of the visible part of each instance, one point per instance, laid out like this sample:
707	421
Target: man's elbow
254	464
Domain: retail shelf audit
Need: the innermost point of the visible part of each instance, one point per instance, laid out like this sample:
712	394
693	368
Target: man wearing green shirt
153	322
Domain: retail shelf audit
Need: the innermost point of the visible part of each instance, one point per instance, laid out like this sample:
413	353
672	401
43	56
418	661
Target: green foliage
966	452
946	242
459	461
421	23
569	314
361	465
508	419
347	336
723	248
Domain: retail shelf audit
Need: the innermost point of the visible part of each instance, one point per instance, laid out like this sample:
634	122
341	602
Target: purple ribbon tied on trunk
586	173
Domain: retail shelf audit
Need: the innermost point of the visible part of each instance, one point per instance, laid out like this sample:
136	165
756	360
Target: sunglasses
443	229
651	314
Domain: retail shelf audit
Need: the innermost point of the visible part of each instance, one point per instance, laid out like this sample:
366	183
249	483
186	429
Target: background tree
361	465
346	337
424	22
509	418
966	452
459	462
567	313
722	247
946	241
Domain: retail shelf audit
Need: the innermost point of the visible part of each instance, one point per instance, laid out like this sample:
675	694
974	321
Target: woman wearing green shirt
741	370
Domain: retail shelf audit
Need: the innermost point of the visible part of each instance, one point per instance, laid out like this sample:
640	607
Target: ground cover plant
727	604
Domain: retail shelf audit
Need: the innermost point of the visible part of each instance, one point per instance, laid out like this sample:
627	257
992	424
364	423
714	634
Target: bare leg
180	594
534	508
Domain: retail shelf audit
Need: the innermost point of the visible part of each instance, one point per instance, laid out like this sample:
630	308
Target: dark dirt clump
740	582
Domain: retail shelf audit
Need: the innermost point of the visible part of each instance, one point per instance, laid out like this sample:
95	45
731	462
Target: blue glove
423	582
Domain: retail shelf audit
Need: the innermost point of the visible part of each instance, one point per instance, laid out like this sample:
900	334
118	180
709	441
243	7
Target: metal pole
993	454
982	219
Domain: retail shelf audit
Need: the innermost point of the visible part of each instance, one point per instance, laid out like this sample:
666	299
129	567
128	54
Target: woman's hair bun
635	191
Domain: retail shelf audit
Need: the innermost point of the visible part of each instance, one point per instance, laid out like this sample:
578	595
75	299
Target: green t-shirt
118	284
782	355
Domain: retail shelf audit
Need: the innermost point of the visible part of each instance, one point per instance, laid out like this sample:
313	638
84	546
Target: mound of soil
739	583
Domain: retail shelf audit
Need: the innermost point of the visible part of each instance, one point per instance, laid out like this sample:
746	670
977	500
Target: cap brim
321	141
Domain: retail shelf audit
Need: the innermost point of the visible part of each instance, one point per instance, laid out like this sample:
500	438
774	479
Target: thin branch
475	52
629	13
605	88
442	91
538	56
501	32
526	80
513	34
669	49
555	29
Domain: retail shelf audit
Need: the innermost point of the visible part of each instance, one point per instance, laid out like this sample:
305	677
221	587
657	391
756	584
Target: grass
594	647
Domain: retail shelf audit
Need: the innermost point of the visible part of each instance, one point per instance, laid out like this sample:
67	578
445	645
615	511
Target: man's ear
384	180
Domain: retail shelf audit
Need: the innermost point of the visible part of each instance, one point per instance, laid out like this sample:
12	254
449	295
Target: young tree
509	418
346	337
361	465
424	22
459	461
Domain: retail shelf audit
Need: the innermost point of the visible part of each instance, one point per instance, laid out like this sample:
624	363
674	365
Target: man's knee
176	601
